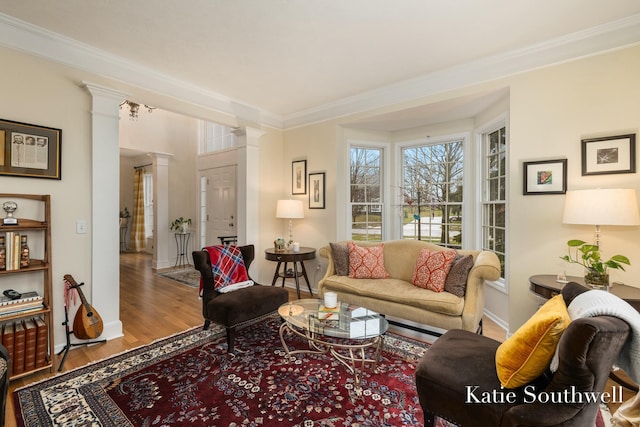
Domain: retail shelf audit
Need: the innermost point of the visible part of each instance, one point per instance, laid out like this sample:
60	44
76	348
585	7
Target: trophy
9	208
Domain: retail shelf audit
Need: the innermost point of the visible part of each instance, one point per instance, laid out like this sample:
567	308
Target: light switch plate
81	227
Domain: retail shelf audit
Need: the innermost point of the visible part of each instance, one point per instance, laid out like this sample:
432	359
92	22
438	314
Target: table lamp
290	209
606	206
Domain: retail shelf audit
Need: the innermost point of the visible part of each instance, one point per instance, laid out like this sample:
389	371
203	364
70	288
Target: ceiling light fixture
134	107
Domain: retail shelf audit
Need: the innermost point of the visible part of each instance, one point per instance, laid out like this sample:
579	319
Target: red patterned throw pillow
432	268
366	262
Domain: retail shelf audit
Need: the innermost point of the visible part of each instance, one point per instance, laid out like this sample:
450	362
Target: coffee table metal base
352	356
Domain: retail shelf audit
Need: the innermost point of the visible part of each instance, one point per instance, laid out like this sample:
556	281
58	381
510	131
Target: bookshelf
29	331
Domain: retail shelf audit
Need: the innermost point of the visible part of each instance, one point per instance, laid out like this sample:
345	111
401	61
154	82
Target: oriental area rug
189	379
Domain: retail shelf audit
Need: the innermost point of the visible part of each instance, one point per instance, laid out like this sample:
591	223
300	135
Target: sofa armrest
325	252
486	267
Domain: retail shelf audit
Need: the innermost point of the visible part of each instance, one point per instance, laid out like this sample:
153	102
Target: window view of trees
432	193
366	194
494	195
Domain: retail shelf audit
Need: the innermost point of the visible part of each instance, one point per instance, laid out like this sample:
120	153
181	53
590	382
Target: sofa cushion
525	355
397	291
366	262
431	269
456	282
340	253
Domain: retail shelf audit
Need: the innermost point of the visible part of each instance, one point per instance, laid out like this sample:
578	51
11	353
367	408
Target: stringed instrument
87	324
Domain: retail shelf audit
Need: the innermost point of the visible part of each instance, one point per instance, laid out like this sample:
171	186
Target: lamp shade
610	206
289	209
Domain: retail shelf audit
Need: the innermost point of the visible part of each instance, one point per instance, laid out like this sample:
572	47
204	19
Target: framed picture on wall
299	177
545	177
316	190
610	154
29	150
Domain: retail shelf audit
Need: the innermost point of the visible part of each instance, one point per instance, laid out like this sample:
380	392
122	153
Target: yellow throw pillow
528	352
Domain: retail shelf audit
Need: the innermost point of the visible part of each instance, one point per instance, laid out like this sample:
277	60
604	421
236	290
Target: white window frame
385	185
502	284
467	210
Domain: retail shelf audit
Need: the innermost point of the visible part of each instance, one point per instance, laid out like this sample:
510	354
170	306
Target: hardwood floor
151	307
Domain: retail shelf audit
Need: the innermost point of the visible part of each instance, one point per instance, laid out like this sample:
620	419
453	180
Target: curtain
137	227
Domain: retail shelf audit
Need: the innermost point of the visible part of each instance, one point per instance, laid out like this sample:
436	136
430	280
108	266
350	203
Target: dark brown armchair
5	373
235	309
587	351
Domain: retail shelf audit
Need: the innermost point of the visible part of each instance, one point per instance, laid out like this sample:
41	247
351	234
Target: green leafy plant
589	257
179	223
125	213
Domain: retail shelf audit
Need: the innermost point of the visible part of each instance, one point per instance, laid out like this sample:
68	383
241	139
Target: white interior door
221	204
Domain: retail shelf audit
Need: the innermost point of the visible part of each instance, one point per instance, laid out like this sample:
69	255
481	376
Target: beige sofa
396	296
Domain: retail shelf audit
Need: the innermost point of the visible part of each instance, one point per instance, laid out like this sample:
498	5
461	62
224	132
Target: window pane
494	205
433	193
366	193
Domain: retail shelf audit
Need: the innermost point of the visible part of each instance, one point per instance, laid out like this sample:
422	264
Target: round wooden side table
289	256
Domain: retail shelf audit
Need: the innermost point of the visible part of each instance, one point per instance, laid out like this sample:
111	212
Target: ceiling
293	58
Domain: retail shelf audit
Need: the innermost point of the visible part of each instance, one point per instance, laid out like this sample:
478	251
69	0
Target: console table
296	258
547	286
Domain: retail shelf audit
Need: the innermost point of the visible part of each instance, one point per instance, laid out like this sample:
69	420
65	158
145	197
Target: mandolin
87	324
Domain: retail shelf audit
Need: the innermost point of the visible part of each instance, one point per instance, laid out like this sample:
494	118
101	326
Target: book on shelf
19	341
42	342
22	310
26	297
13	250
30	345
7	338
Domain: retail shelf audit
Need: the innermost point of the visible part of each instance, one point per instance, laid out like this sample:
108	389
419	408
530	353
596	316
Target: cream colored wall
550	111
37	92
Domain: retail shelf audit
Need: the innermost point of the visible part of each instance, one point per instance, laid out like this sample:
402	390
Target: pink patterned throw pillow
366	262
432	268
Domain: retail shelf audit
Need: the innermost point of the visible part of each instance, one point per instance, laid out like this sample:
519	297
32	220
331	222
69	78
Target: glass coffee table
347	333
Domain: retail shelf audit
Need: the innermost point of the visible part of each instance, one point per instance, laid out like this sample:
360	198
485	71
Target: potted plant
180	224
124	217
597	269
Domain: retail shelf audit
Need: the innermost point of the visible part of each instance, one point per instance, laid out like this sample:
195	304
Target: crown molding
596	40
25	37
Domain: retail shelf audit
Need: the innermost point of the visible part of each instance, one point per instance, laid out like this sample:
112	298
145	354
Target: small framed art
299	177
29	150
316	190
610	154
545	177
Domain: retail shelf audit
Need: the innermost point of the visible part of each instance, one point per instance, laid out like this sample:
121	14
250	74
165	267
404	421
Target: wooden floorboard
151	307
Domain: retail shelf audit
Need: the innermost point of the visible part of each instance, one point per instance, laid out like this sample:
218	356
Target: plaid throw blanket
227	266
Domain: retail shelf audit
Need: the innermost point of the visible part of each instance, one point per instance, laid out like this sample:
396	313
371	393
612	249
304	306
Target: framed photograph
545	177
316	190
610	154
299	177
29	150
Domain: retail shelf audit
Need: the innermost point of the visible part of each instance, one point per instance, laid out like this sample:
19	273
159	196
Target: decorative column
105	190
248	184
161	237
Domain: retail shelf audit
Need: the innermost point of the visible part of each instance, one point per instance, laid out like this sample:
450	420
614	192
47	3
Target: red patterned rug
189	379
